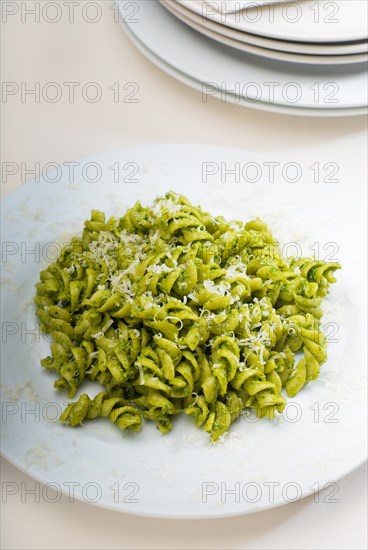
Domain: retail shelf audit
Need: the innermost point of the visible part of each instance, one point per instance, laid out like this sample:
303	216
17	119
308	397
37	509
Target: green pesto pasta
171	310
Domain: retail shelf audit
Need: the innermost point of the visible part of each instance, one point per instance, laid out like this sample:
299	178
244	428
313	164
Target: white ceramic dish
236	100
181	475
260	80
271	43
302	21
263	52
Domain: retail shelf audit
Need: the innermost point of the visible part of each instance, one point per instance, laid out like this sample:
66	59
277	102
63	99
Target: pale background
167	111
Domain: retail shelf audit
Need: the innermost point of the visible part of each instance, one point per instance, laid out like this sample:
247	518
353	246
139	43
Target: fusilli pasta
173	310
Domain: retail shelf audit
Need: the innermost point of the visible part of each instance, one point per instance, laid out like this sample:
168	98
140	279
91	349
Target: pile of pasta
172	310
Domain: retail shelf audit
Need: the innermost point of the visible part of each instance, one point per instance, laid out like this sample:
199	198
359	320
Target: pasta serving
173	310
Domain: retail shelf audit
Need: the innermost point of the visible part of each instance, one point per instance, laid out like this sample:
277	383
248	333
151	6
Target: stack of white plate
304	57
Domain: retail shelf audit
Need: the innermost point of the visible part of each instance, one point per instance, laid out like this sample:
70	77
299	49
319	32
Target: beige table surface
166	112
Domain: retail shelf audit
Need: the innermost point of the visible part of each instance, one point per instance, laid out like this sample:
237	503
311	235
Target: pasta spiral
105	405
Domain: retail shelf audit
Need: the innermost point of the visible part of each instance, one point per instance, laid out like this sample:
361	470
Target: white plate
302	21
261	80
271	43
263	52
180	475
236	100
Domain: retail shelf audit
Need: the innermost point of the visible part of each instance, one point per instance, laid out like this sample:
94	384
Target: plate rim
153	515
289	57
287	70
262	41
196	8
262	106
